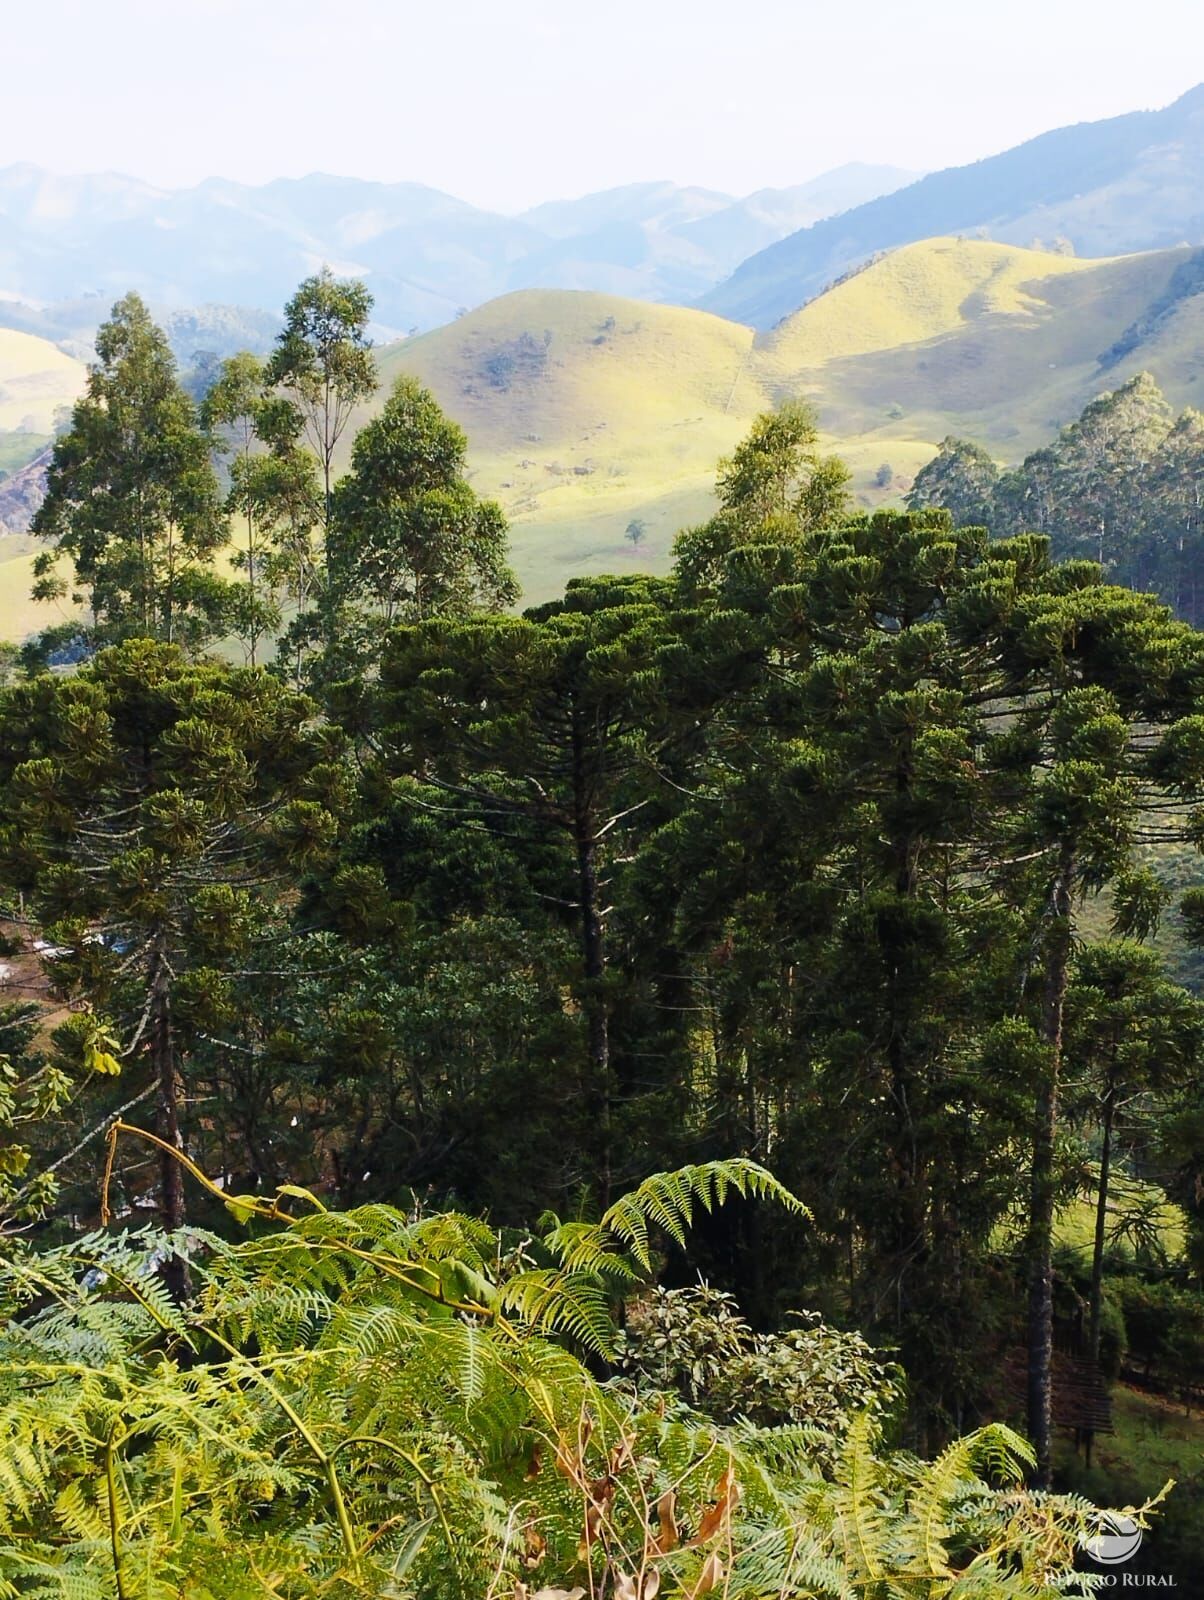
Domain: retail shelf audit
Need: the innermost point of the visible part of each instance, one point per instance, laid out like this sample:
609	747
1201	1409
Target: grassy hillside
586	412
964	336
1125	184
35	379
1154	1442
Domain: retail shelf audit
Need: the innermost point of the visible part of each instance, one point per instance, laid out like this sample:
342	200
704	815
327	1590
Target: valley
586	412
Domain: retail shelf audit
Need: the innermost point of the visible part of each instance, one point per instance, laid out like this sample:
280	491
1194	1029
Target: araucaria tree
149	803
804	854
550	726
132	501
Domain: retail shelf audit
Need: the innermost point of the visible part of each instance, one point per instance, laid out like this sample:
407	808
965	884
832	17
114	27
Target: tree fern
369	1404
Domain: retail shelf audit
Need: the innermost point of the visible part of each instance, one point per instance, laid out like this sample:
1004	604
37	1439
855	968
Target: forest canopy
414	998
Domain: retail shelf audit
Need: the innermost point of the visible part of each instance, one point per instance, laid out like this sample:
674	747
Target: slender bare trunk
1041	1205
593	950
1101	1216
251	580
163	1057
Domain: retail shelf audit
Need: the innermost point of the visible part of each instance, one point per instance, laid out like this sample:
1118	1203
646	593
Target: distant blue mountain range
1100	188
67	241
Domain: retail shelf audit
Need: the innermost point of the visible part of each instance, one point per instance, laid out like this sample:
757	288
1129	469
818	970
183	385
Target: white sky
508	102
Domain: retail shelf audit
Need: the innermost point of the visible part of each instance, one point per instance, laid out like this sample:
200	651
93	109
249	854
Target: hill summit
1129	183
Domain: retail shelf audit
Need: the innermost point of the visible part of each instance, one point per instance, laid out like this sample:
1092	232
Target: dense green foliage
324	566
1123	485
131	496
372	1403
835	852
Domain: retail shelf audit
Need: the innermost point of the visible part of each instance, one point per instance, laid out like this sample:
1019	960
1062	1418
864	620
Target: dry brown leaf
626	1587
709	1578
567	1462
593	1524
558	1594
718	1515
602	1491
534	1546
666	1515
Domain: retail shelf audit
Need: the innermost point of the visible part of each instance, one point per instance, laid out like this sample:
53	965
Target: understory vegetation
587	1102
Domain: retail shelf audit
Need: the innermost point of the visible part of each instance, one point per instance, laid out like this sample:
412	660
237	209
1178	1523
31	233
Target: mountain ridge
425	254
1042	187
587	412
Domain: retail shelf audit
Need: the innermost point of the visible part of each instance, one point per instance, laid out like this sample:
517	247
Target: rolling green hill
586	412
1125	184
963	336
35	379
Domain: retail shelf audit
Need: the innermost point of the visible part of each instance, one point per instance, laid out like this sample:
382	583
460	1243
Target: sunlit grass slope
920	292
966	336
35	379
1075	1222
585	413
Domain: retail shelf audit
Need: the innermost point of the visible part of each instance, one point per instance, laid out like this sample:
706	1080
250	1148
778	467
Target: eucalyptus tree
233	414
132	501
322	369
775	487
1177	486
149	804
961	479
323	364
1103	461
409	539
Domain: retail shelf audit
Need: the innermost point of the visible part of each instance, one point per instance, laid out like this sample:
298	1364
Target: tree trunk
593	951
907	1225
251	581
171	1175
1101	1216
597	1022
1041	1205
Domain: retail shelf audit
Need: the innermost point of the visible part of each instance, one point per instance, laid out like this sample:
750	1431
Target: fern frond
551	1302
859	1511
667	1200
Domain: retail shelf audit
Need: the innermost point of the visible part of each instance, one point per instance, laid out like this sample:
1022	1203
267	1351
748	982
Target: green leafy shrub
1165	1330
694	1342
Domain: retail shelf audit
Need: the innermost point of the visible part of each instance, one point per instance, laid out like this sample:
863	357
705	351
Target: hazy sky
515	101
